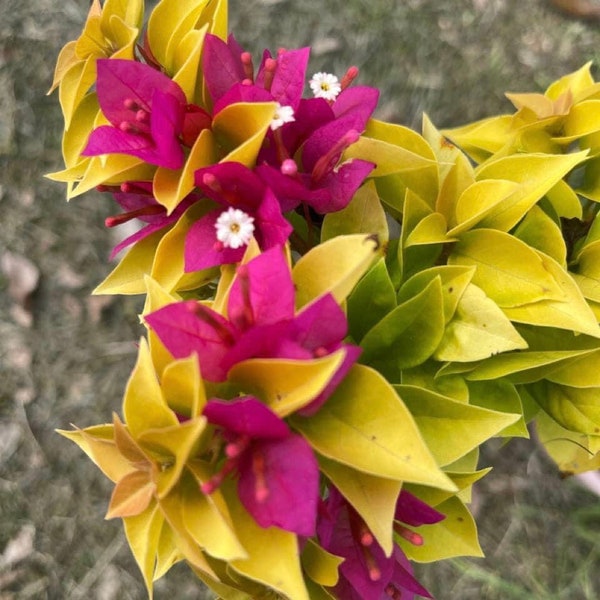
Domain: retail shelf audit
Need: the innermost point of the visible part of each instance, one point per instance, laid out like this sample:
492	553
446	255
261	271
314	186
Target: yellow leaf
321	566
335	267
286	385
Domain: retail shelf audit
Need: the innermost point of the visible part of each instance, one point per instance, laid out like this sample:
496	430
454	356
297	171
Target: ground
65	356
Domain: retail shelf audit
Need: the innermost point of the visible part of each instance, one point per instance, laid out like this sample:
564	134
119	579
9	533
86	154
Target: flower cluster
339	311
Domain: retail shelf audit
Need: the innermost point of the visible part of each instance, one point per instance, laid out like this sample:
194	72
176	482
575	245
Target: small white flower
325	85
234	228
283	115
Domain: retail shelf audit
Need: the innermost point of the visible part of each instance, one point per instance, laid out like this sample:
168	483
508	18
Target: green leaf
364	214
478	330
450	428
408	335
508	270
373	297
366	426
373	498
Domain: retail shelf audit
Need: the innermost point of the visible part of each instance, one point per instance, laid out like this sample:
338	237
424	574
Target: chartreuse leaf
417	257
157	297
581	121
571	312
569	450
425	375
501	396
430	230
273	558
401	155
456	535
171	186
454	280
478	330
576	409
207	519
536	174
408	335
171	507
450	428
521	367
484	138
579	83
446	153
477	201
463	481
144	406
167	553
321	566
186	62
240	129
539	231
174	447
565	201
111	169
143	533
130	11
334	267
373	498
581	371
75	83
508	270
286	385
366	426
128	276
317	592
460	176
99	444
75	138
588	271
364	214
169	21
372	298
183	388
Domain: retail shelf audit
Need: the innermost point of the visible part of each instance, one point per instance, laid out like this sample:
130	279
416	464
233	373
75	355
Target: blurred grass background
65	357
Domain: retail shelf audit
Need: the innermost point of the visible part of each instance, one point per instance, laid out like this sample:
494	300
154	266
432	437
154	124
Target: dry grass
65	358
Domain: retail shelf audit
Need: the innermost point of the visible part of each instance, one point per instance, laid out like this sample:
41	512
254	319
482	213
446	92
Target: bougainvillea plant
339	311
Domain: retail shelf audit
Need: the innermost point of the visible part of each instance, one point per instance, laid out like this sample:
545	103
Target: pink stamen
144	211
392	592
410	536
270	68
349	77
247	65
211	182
128	127
234	449
142	116
247	316
261	490
320	352
130	104
328	161
289	167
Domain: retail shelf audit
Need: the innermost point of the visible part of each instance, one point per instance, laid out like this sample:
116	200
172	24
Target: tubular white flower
283	115
325	85
234	228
